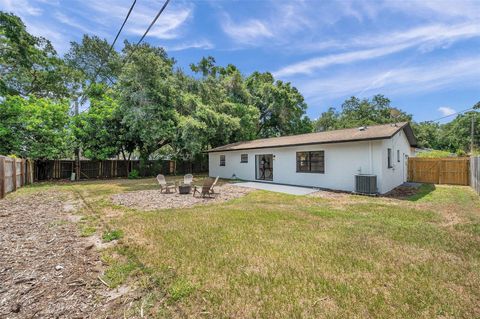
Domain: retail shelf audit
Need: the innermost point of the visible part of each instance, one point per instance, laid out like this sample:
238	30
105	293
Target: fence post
27	172
2	177
22	173
14	174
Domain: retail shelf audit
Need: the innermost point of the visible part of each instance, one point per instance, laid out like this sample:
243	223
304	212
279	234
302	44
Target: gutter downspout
370	156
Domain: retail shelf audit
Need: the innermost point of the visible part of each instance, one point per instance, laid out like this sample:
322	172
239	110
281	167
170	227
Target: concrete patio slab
293	190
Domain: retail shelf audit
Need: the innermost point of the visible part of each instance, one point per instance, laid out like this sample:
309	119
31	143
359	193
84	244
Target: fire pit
184	189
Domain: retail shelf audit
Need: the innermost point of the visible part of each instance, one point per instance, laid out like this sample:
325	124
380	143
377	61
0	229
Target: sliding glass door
264	167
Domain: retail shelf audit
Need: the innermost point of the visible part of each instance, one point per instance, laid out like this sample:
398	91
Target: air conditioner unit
366	184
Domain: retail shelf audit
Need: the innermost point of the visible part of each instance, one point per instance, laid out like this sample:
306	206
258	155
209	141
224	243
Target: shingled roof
367	133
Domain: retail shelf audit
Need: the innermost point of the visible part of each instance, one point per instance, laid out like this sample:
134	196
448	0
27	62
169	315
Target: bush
461	152
434	153
133	174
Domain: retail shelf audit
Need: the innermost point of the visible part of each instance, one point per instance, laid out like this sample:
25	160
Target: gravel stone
153	199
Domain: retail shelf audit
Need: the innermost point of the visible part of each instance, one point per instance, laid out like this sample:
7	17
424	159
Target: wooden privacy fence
14	173
63	169
448	170
475	173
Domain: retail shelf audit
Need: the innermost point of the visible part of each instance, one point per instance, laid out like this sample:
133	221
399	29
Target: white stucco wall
342	162
392	177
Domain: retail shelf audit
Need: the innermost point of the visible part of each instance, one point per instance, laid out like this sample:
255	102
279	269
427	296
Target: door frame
257	156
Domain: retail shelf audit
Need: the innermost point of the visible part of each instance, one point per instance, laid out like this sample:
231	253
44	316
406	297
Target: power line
77	150
111	48
146	31
153	22
123	24
446	116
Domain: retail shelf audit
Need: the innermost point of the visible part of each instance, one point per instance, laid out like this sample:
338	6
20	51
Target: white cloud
71	22
462	9
20	7
446	111
167	26
308	66
424	38
201	44
420	78
275	26
246	32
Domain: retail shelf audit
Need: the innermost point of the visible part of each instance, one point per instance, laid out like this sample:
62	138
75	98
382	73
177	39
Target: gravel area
153	199
46	269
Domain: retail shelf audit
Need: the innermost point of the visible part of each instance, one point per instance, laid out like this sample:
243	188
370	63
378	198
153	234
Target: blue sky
423	55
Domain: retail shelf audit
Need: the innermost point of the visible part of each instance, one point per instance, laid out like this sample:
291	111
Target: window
311	162
398	156
244	158
389	157
222	160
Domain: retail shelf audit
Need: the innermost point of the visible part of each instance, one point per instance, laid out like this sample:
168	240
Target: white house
339	160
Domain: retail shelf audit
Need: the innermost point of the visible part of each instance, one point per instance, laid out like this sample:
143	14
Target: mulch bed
402	192
46	269
153	199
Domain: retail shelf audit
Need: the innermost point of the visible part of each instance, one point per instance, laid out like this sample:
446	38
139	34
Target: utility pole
77	148
472	129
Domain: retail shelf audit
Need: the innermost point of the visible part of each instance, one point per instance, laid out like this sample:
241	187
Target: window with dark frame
389	158
244	158
398	156
222	160
311	162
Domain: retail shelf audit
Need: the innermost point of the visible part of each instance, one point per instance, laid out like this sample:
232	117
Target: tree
34	127
206	66
455	135
29	65
100	131
357	112
282	108
328	121
428	134
148	98
94	59
214	112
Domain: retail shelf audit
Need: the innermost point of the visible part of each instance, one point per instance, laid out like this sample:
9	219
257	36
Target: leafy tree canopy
29	65
34	127
358	112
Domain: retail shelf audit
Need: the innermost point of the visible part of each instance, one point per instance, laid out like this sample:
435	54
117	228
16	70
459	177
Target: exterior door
264	167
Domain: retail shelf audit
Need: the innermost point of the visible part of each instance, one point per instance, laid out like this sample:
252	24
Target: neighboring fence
14	173
475	173
63	169
449	170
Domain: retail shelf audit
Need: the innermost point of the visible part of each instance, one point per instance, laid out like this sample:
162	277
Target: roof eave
405	127
300	144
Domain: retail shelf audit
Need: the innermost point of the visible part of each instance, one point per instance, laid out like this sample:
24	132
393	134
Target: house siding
397	174
342	162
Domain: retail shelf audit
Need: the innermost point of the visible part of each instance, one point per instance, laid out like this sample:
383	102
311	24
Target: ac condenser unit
366	184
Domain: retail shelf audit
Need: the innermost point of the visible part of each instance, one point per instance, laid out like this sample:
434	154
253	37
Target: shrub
461	152
434	153
133	174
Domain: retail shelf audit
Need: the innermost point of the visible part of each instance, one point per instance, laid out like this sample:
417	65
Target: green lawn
272	255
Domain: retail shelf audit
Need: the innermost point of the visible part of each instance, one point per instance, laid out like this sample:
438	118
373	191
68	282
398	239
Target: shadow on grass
422	191
411	194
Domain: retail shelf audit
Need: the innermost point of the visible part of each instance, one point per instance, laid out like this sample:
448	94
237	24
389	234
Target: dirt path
46	269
